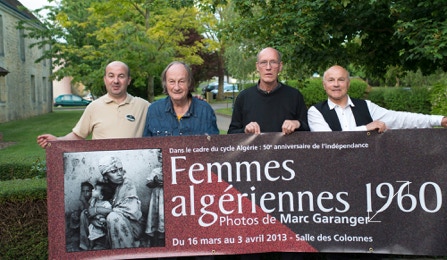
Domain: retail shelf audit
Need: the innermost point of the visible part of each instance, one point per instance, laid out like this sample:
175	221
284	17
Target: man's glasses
264	63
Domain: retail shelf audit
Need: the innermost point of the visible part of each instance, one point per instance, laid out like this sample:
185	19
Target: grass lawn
224	111
23	134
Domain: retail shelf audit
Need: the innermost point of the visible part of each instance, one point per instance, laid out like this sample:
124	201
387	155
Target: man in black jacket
343	113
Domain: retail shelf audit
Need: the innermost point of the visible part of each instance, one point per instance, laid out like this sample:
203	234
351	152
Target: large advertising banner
350	192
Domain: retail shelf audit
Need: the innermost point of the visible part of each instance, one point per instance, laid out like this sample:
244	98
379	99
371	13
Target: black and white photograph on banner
113	199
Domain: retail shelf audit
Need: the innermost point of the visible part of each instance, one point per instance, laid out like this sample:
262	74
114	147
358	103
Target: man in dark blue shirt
180	113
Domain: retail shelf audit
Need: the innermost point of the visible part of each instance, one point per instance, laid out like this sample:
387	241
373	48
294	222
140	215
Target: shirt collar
265	92
108	99
169	107
332	105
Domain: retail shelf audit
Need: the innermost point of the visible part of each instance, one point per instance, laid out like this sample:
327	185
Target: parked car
70	100
228	88
209	88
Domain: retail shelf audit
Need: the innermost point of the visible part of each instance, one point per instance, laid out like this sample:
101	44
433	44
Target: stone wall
26	90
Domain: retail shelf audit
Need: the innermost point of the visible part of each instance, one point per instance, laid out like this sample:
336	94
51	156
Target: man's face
116	80
336	84
268	65
86	192
177	82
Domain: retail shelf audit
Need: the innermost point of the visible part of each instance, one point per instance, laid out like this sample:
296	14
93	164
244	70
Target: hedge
314	93
416	100
23	219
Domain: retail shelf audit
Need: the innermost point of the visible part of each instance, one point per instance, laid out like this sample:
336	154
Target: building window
2	44
3	98
33	88
44	61
22	44
44	89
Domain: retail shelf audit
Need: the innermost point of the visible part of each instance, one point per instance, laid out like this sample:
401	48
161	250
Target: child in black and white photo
101	196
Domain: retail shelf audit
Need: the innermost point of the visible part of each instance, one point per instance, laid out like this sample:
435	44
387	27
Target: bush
11	171
245	86
377	95
314	93
438	97
358	88
402	99
23	219
39	169
419	101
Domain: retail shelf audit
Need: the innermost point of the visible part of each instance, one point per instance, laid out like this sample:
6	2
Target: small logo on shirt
131	118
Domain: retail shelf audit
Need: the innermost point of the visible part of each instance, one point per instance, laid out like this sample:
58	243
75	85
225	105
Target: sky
34	4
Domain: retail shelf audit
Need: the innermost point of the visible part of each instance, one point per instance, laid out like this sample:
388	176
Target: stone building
25	86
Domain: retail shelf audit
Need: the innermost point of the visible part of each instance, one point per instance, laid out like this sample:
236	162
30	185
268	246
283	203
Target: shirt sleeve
402	120
212	128
147	131
302	114
236	126
84	127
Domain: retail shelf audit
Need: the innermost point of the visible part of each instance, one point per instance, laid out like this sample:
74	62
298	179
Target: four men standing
269	106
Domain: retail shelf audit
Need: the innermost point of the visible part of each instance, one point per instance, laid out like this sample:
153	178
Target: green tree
214	17
240	63
70	39
207	69
146	34
422	26
370	35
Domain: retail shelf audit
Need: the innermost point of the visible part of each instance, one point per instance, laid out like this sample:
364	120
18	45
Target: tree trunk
150	89
220	74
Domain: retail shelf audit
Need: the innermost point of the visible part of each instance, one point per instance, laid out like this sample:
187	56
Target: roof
18	7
